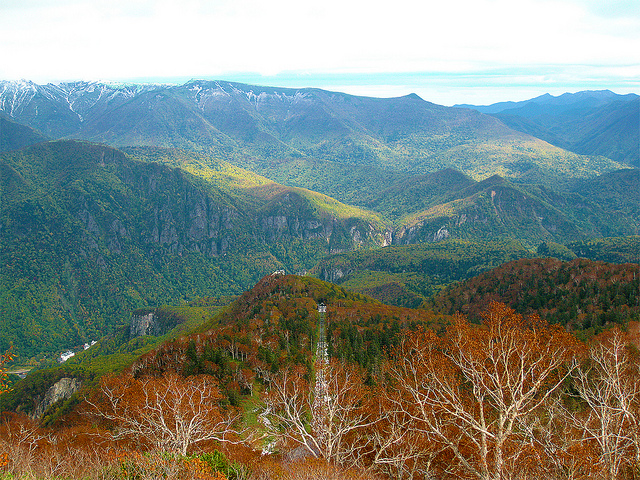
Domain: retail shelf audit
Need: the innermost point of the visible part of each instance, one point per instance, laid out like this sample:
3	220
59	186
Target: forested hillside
496	208
412	274
90	234
270	326
408	275
613	250
396	393
589	122
14	136
275	325
580	294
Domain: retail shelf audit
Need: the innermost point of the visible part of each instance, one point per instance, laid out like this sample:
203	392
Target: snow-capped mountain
251	125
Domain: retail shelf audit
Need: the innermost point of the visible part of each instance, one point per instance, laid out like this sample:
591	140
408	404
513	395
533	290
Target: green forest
219	281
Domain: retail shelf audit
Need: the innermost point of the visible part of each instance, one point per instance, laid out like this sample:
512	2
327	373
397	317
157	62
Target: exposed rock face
158	210
152	322
333	275
407	234
61	390
277	227
196	223
441	234
292	216
143	324
388	238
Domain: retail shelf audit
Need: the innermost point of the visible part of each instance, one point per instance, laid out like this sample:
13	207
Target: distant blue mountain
597	122
548	103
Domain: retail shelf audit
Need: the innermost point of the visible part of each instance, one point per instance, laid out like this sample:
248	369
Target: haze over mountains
203	188
589	123
251	125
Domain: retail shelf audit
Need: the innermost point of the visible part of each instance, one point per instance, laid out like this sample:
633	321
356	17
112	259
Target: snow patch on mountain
15	95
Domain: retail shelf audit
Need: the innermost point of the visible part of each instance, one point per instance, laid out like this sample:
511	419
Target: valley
195	229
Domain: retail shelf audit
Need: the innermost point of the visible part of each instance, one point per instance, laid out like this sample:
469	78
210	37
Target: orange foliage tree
608	388
171	412
474	391
4	359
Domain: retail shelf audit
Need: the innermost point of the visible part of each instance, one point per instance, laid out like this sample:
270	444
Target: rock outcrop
63	389
334	274
153	322
143	324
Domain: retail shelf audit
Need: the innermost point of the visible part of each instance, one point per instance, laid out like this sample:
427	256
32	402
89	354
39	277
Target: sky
447	51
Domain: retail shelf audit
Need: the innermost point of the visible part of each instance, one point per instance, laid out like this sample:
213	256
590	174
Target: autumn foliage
476	391
4	359
169	412
510	398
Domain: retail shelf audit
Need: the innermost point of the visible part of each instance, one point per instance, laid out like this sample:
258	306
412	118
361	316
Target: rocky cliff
155	322
63	389
143	324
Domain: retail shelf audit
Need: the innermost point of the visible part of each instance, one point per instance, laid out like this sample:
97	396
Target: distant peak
414	96
494	180
22	83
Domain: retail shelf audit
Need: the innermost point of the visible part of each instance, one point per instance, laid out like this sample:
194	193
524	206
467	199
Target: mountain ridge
90	231
593	97
588	122
90	234
252	125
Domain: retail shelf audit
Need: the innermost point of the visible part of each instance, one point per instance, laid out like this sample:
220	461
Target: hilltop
271	325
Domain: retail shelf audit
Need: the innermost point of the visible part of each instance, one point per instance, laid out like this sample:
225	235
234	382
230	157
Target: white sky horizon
461	51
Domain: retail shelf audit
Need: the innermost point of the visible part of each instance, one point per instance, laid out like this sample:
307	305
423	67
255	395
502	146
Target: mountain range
588	123
119	197
252	126
148	233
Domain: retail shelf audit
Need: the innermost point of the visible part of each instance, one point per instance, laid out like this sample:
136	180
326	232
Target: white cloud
84	39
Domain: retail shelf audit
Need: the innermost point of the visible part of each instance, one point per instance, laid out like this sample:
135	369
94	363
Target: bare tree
344	414
402	450
608	384
331	427
474	388
286	411
171	412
